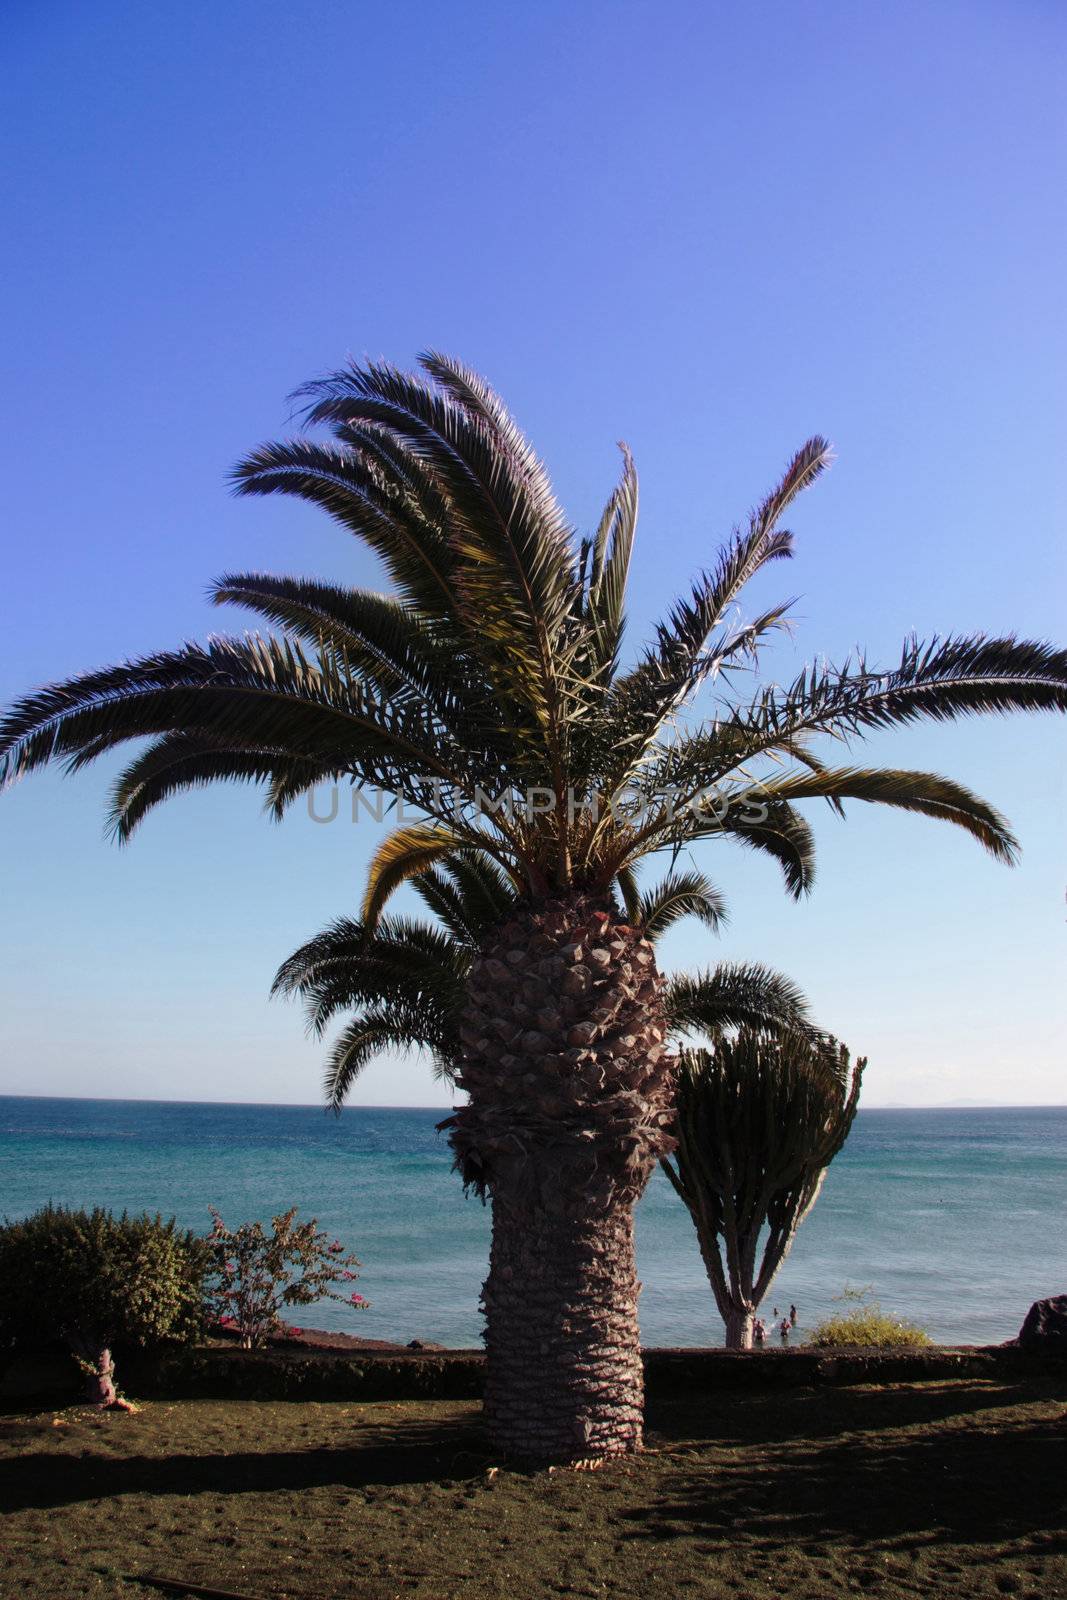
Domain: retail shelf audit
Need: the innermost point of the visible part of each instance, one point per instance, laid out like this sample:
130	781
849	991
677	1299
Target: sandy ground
935	1489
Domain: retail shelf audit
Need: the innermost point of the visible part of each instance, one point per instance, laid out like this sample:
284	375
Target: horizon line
318	1105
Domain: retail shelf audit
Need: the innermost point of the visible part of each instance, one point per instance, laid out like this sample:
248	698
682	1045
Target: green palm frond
368	1036
348	966
250	694
485	408
939	680
514	562
402	856
734	995
351	482
438	891
783	834
469	893
488	893
682	659
182	761
773	827
383	641
925	792
682	894
609	569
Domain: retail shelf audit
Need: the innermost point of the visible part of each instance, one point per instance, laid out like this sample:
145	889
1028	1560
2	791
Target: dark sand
935	1489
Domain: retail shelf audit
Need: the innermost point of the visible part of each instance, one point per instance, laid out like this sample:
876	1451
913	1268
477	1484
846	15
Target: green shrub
92	1281
867	1324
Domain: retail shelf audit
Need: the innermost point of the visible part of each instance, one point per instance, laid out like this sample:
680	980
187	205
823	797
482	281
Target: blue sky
708	229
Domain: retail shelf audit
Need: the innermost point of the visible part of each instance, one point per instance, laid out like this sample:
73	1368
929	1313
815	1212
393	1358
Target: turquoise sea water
958	1218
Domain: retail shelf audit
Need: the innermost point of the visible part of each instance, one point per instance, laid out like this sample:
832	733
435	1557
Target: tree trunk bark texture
564	1380
739	1326
570	1108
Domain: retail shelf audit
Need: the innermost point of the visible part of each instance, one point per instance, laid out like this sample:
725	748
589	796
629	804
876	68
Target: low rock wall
214	1372
460	1374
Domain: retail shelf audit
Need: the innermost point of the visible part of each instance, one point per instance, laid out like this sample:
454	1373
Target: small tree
91	1280
255	1273
759	1118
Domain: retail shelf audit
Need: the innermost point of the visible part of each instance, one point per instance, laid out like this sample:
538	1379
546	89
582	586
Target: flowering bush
255	1273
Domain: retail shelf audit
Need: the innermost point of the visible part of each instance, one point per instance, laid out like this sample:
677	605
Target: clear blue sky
709	229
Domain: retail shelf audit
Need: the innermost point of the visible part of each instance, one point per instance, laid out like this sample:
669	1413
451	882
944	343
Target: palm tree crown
488	693
405	979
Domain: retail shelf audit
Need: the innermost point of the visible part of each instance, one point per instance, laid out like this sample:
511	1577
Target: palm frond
383	508
488	894
384	641
939	680
609	569
734	995
682	894
681	660
486	408
772	826
514	561
349	965
403	855
367	1036
438	891
629	893
182	761
783	834
250	695
470	893
923	792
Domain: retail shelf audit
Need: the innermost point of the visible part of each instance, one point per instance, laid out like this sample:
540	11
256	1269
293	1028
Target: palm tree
760	1116
405	979
488	695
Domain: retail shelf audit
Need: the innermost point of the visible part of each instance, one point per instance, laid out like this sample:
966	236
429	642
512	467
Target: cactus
759	1117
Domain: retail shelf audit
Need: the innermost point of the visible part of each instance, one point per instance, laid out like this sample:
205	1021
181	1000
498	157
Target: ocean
958	1218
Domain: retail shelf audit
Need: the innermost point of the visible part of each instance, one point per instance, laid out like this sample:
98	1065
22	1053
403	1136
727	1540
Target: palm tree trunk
569	1111
564	1378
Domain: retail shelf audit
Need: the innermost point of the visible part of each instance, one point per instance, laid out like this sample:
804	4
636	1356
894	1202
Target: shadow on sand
896	1468
437	1452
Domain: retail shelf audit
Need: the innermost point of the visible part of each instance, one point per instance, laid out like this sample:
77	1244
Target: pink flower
357	1299
348	1277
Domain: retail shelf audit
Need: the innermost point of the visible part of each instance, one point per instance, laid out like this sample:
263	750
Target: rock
1045	1327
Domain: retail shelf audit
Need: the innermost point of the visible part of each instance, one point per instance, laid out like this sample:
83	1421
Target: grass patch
934	1489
